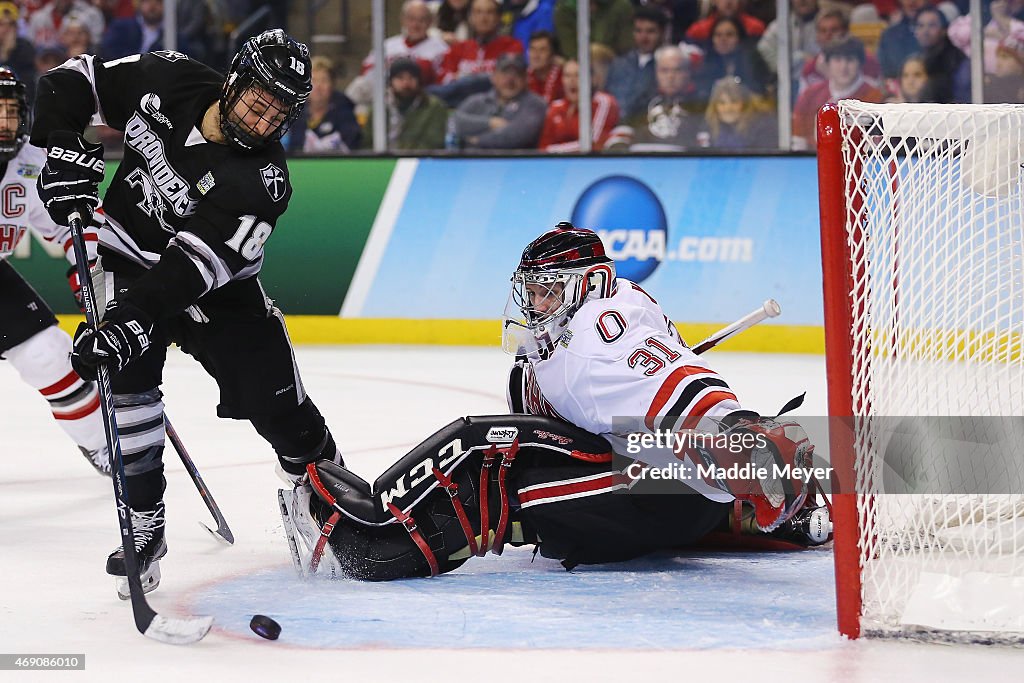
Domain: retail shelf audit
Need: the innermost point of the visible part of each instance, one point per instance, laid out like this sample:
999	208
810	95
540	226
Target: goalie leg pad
457	494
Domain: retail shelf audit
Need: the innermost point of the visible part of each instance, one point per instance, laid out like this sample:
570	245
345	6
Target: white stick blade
178	631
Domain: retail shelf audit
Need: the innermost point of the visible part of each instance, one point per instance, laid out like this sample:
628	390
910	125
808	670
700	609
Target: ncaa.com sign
632	223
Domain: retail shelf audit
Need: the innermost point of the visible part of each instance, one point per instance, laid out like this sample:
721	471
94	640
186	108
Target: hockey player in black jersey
198	193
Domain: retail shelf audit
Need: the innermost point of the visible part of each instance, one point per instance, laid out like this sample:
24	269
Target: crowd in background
666	75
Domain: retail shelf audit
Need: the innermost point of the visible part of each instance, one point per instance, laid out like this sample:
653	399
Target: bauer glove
121	337
70	178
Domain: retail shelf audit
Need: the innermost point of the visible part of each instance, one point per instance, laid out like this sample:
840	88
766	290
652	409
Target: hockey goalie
557	473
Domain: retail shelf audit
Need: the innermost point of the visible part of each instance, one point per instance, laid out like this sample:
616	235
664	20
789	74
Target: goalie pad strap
325	534
460	512
507	456
410	525
485	522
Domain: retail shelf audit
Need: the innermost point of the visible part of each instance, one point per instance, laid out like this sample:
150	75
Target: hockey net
923	258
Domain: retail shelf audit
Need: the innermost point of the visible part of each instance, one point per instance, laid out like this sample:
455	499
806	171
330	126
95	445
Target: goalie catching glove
70	179
121	337
768	471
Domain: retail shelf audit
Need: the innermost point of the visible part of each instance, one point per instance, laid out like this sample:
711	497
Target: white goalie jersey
621	356
21	209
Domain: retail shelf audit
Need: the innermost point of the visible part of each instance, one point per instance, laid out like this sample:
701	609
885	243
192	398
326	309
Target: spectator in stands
898	41
913	83
507	117
452	21
75	39
731	54
833	24
942	59
610	24
681	16
48	58
562	125
523	18
466	68
1007	83
670	120
843	59
803	37
193	21
601	59
734	122
115	9
44	25
16	52
700	32
1003	23
544	76
416	119
631	79
414	42
142	33
328	123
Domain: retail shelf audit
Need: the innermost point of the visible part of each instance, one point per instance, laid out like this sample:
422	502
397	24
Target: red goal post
922	237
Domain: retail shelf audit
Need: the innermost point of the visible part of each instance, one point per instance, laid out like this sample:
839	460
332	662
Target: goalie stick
223	532
769	309
177	631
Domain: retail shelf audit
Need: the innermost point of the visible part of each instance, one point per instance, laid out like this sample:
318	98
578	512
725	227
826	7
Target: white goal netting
935	230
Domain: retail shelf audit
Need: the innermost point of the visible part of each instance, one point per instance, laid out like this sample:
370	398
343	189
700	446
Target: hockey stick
223	532
769	309
149	623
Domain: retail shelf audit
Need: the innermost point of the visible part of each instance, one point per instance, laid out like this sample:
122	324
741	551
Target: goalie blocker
526	480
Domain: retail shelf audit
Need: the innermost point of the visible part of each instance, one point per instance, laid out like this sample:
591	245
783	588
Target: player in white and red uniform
29	337
593	348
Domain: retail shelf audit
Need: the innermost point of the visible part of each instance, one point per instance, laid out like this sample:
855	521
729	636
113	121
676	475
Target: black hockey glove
70	178
121	337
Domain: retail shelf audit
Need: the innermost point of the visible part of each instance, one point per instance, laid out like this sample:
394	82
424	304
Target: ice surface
764	617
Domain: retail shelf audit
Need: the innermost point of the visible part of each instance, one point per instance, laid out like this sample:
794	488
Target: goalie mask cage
922	230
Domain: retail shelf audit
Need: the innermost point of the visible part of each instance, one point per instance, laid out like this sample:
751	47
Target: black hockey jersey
174	190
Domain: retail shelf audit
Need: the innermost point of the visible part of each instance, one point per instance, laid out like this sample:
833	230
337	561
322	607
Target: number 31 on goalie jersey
611	325
250	237
653	363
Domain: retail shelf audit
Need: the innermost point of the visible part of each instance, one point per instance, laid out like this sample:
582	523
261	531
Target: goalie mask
265	90
15	130
557	273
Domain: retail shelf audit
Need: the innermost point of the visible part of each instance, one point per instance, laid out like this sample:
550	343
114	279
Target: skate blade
150	581
289	533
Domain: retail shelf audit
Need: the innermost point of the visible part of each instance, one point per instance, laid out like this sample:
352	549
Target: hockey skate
150	547
98	459
310	552
810	526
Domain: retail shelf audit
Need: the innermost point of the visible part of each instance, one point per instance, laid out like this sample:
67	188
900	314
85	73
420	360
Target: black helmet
11	88
557	273
566	246
277	65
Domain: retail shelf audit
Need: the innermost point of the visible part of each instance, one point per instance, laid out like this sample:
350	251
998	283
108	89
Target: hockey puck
265	627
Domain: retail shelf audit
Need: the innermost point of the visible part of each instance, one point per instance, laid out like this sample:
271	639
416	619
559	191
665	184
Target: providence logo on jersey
162	178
